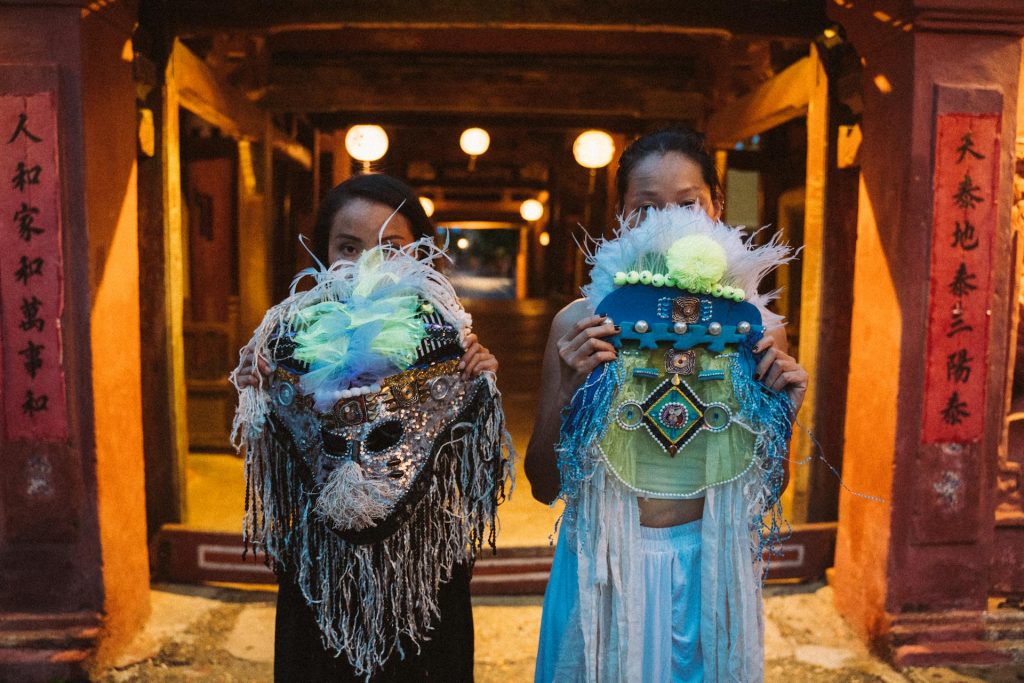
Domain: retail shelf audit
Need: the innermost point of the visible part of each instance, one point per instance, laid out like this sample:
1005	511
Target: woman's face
356	228
658	180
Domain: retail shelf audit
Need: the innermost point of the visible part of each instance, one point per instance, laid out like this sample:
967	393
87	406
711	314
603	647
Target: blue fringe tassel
584	423
770	415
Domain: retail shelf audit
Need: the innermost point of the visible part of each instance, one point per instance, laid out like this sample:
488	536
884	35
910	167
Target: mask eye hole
384	436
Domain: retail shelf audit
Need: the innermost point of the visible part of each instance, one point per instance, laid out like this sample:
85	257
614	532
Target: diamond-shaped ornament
673	414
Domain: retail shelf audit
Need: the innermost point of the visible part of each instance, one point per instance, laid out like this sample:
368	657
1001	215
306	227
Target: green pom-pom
717	290
632	277
696	262
645	277
658	280
619	279
669	281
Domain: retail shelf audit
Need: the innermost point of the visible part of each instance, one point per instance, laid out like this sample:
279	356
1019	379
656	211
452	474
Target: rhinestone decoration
630	415
717	417
285	394
439	387
686	309
680	362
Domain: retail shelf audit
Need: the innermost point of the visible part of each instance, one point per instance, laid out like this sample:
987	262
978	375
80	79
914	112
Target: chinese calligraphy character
964	236
27	269
34	404
957	323
955	410
25	175
963	281
958	366
33	357
966	196
22	129
25	218
967	147
30	315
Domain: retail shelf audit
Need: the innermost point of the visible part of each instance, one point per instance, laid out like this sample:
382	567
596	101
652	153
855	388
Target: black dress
299	654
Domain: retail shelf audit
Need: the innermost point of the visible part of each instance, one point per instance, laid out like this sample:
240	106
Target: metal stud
680	328
715	329
743	327
641	327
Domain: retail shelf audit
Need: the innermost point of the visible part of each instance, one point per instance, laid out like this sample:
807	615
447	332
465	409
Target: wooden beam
201	92
649	43
792	18
777	100
208	97
479	91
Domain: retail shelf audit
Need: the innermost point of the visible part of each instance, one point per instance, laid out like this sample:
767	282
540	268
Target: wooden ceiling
618	65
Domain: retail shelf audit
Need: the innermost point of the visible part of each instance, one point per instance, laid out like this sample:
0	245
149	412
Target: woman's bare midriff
665	513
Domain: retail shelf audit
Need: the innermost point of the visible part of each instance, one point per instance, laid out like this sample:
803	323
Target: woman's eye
688	202
348	250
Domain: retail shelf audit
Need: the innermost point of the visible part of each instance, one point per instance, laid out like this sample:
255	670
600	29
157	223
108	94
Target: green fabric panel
709	459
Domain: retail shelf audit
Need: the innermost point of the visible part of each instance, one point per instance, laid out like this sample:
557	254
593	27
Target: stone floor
226	634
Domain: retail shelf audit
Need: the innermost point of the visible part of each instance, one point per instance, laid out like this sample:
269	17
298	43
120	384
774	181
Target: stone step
78	637
960	653
20	621
36	666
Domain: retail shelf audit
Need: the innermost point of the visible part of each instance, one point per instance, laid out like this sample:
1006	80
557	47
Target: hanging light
474	142
593	149
462	243
531	210
366	143
428	206
544	238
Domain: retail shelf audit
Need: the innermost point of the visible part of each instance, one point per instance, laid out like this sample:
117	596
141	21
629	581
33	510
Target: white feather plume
641	245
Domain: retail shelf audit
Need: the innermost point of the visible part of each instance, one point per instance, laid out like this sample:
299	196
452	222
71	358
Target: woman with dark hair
357	215
668	168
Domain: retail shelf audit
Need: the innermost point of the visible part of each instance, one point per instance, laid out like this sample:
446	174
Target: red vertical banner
964	224
31	270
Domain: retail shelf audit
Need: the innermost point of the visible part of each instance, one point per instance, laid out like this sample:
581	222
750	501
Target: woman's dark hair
683	140
373	187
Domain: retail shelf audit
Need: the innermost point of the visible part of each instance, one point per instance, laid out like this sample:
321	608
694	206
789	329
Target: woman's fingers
264	366
766	342
591	327
765	363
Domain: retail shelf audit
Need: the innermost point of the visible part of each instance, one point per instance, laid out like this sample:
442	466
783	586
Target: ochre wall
108	107
899	556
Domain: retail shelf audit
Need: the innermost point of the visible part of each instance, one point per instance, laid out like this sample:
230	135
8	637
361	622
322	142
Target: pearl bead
715	329
641	327
680	328
608	320
743	327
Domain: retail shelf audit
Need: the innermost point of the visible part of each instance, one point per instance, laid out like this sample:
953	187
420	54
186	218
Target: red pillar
73	561
913	573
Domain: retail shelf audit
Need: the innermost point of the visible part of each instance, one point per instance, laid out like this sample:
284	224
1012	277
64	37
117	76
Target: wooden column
912	573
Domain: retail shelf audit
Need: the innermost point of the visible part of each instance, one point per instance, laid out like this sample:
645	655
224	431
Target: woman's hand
582	349
251	371
477	359
779	371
